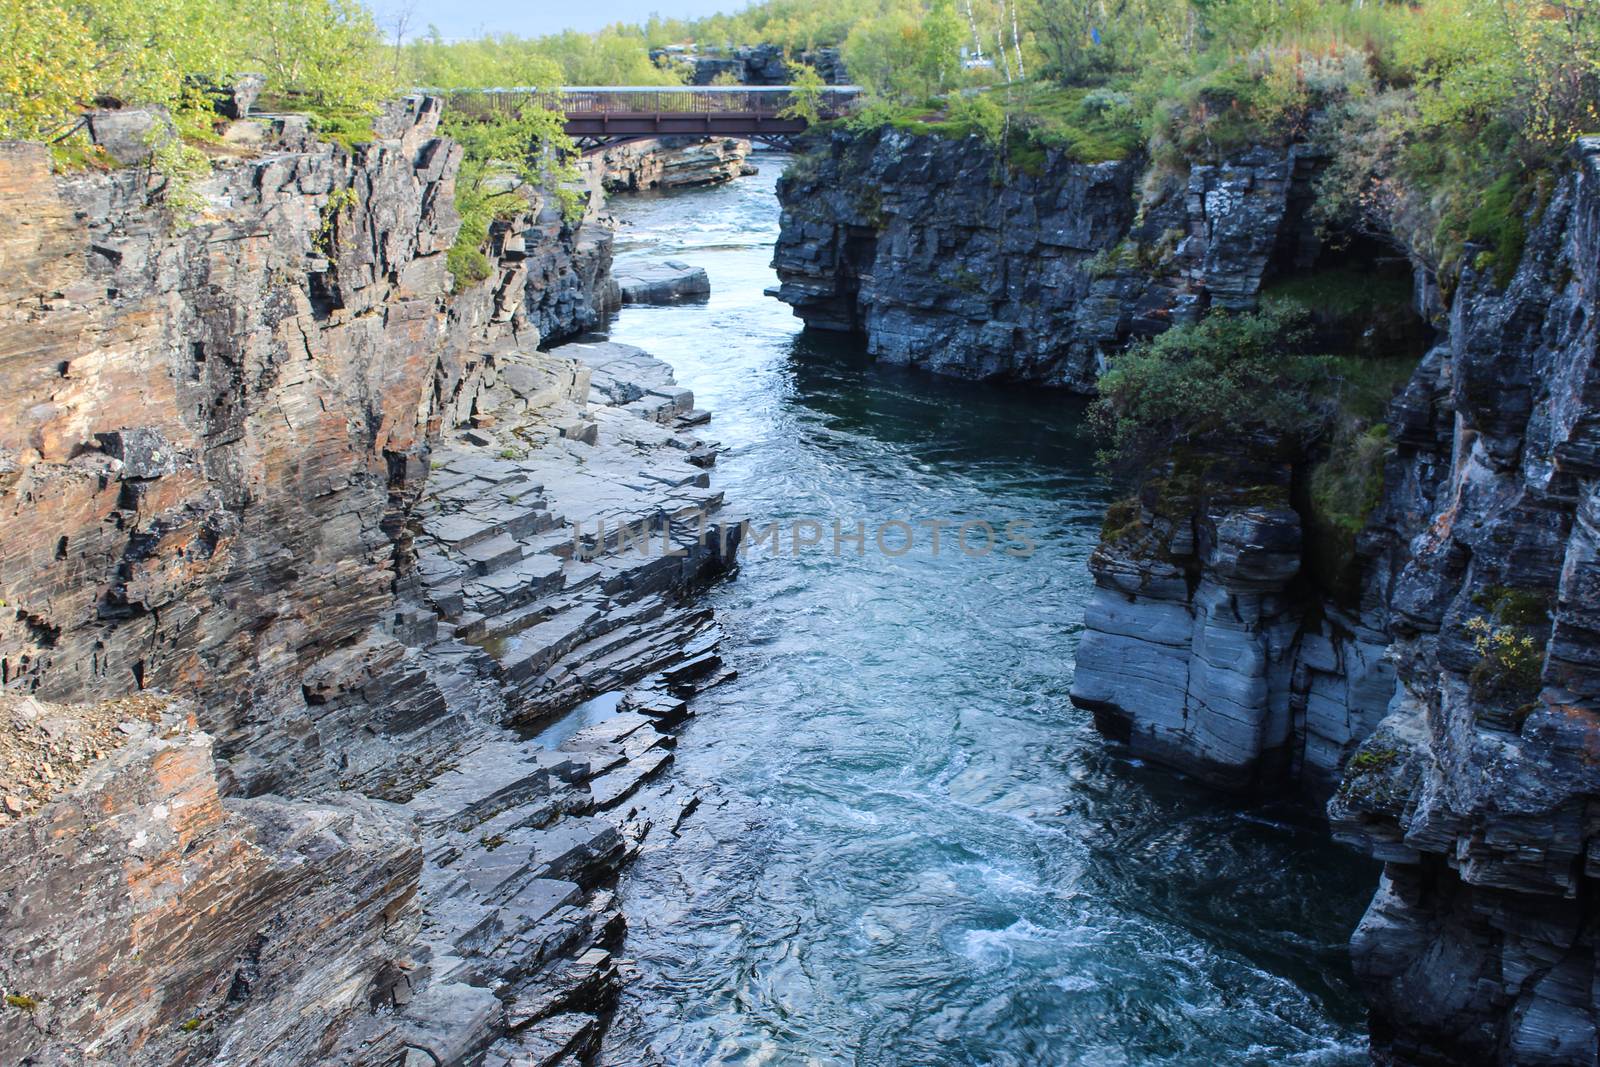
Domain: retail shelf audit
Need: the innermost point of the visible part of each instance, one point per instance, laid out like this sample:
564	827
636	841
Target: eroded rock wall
1450	702
1478	788
947	257
670	163
227	447
1201	648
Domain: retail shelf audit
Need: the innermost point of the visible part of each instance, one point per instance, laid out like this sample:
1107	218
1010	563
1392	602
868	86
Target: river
913	850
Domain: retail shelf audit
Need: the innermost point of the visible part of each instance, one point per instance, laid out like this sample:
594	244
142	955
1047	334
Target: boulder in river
666	282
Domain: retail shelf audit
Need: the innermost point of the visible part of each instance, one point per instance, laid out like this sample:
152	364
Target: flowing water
913	849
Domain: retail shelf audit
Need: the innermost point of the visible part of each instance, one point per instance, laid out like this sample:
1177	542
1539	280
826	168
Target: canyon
338	696
1219	640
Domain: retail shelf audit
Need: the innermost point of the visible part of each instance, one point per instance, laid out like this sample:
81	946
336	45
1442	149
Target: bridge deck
598	115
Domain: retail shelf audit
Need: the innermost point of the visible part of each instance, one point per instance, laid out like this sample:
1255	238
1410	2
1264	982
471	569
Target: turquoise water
912	848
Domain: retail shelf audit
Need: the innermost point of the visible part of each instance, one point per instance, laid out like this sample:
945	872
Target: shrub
325	55
1347	485
1225	373
907	56
1510	661
501	154
805	95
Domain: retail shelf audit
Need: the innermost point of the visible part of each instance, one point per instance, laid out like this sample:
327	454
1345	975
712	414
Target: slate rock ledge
302	536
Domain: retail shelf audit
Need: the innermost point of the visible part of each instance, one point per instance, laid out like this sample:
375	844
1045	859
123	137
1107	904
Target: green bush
502	154
1225	374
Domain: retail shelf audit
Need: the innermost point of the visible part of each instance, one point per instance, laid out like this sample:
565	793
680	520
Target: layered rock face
269	464
756	64
947	259
670	163
1478	787
1447	703
1199	648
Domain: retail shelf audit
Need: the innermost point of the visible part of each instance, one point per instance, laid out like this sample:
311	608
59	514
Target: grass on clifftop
1027	120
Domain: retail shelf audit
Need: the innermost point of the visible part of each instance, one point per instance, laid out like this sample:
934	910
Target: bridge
598	116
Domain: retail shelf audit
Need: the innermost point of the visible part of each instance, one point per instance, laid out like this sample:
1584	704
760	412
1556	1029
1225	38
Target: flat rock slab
660	282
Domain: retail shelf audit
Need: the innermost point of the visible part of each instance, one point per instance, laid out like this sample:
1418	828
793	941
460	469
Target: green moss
22	1002
1498	221
338	202
76	154
1515	607
1085	125
1369	760
1121	521
1347	485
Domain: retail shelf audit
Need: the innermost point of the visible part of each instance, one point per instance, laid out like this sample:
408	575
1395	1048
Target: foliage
908	55
805	94
1225	373
1509	636
1089	125
503	155
1344	291
1266	96
1510	661
1498	222
1369	760
794	24
1085	39
1347	485
979	114
60	57
179	168
326	54
154	51
1477	99
338	203
47	67
617	55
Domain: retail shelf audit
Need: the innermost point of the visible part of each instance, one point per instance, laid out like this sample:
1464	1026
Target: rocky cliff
336	527
1477	787
947	257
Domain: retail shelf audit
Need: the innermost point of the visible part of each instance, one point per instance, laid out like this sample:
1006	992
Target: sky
528	18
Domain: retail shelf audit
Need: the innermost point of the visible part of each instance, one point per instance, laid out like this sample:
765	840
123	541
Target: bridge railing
833	100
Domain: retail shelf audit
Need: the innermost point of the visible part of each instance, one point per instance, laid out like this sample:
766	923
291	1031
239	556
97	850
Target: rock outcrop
343	527
1201	649
947	258
670	163
663	282
750	64
1478	788
1447	696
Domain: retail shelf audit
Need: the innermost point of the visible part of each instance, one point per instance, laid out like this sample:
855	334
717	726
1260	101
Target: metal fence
653	99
